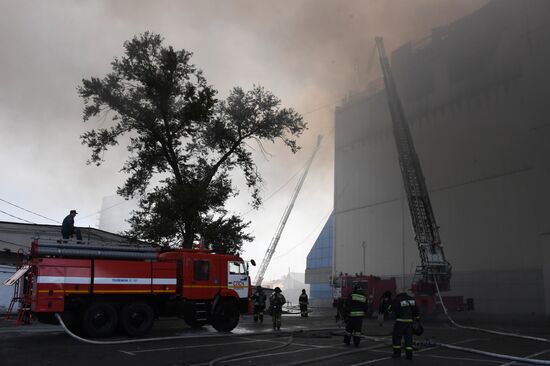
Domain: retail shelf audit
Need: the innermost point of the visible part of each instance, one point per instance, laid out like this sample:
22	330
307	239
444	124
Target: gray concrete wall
483	138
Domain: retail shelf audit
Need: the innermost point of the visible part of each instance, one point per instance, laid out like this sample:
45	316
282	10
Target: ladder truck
434	272
273	245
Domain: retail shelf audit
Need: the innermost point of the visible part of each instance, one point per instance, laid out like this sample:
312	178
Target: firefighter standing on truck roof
258	299
355	309
67	227
406	313
276	302
303	301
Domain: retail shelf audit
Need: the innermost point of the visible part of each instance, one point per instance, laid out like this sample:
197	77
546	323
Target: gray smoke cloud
311	53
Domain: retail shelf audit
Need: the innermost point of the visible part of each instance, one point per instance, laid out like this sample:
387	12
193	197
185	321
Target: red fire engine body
372	286
104	288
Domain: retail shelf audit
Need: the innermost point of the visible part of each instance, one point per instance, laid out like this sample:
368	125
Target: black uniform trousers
354	325
402	330
303	309
259	313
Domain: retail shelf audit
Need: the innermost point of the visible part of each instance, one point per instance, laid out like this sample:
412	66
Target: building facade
474	93
319	266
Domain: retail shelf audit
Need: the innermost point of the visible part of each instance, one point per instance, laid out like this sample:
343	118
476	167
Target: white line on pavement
533	355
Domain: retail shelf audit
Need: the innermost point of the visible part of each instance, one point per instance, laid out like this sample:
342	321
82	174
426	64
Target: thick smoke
311	53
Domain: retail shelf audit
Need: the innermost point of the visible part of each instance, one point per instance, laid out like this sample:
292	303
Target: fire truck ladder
273	245
20	291
433	262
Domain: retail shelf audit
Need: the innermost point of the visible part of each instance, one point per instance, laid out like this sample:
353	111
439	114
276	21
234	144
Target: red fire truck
372	286
99	289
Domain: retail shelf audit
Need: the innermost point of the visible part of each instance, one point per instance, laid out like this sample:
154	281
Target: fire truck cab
100	289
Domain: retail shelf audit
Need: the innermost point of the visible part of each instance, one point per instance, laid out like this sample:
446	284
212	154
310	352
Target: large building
476	97
319	266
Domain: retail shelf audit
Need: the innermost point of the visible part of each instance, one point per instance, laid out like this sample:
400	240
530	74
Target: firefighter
276	302
303	300
383	307
355	309
406	313
67	227
259	299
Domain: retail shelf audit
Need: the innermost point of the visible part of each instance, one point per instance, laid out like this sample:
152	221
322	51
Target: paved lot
39	344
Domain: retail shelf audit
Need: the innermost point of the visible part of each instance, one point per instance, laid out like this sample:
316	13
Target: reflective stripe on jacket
356	304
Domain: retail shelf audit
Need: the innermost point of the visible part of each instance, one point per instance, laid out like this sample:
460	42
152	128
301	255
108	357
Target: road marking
295	351
336	345
460	358
422	350
133	353
533	355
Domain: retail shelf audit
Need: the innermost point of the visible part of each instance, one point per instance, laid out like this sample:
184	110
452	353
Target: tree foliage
183	142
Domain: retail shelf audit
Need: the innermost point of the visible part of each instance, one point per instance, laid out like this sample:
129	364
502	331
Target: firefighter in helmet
406	314
355	308
258	299
276	302
303	301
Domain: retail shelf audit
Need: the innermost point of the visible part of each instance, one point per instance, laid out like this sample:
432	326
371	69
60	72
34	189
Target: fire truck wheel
136	318
226	316
99	320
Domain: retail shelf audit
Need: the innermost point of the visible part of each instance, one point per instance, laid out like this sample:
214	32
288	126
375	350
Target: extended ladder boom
433	262
267	258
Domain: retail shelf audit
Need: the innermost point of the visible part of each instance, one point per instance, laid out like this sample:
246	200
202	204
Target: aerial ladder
273	245
434	271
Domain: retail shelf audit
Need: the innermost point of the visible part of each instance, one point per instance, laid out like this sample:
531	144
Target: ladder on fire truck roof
271	249
433	262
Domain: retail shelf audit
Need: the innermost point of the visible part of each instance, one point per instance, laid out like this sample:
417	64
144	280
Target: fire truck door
204	279
237	278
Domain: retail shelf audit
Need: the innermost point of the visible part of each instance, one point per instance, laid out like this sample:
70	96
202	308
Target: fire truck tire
136	318
100	320
226	316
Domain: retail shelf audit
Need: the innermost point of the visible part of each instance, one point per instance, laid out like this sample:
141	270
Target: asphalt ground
316	340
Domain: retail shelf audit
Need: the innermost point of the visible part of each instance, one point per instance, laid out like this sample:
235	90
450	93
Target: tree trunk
189	235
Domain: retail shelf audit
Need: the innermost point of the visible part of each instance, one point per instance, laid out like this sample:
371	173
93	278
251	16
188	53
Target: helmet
277	289
303	290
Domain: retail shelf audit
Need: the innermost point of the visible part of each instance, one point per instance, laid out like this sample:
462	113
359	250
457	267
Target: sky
310	53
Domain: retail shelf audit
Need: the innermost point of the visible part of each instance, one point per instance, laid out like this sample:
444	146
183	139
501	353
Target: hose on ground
237	355
157	339
508	334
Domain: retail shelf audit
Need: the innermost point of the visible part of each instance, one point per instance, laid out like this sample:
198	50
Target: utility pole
364	260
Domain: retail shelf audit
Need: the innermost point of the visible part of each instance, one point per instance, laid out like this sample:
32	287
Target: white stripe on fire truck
106	280
121	281
61	279
164	281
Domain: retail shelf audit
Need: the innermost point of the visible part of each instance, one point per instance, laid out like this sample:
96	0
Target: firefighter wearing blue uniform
406	313
355	309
